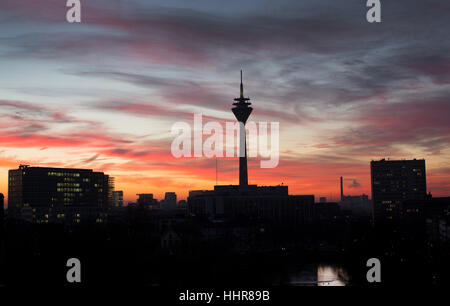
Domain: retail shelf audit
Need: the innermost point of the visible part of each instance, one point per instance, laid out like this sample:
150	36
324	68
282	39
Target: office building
393	182
46	195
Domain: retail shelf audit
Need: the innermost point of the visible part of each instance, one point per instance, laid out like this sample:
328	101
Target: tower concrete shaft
243	173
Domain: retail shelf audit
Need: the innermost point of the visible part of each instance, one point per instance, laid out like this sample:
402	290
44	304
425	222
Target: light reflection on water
330	276
315	275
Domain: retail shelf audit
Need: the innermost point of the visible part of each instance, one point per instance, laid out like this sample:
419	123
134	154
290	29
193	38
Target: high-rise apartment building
393	182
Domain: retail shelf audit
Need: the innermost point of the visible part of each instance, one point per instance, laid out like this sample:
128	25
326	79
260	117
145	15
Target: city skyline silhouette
110	165
103	94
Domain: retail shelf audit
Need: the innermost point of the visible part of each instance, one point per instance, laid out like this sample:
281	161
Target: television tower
242	111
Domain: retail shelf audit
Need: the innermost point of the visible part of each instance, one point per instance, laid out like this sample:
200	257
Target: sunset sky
105	93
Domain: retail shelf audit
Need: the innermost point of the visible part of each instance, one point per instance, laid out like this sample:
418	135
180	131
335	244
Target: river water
312	275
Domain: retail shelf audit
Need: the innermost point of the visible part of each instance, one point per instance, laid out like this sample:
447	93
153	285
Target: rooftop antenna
216	169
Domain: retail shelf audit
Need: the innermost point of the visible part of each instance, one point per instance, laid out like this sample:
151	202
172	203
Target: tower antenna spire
242	86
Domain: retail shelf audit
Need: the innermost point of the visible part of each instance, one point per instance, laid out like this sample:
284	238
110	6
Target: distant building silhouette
182	204
393	182
117	198
170	201
2	213
269	203
358	205
326	211
2	238
146	201
46	195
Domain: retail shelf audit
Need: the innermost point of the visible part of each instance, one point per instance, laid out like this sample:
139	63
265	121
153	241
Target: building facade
47	195
270	204
117	198
394	182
